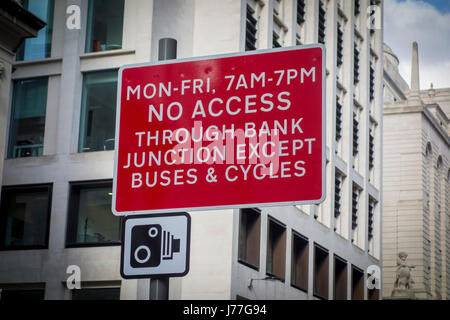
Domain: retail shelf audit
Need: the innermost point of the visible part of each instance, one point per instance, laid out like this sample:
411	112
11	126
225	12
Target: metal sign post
159	287
157	247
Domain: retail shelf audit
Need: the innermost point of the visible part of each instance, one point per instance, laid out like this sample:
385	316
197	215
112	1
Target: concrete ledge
108	53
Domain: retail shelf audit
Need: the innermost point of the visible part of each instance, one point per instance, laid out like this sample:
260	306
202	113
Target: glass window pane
28	118
24	216
105	25
39	47
98	111
21	295
91	219
96	294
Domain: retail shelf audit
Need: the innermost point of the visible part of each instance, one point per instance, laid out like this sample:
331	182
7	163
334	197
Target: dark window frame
39	291
251	29
85	115
338	260
356	60
353	284
339	46
355	137
339	120
371	218
301	11
338	188
89	47
294	263
94	289
240	259
29	187
325	252
373	294
371	149
72	215
10	143
356	194
321	30
275	38
272	273
372	81
357	8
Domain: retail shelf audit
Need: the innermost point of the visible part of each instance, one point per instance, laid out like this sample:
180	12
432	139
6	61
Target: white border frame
236	206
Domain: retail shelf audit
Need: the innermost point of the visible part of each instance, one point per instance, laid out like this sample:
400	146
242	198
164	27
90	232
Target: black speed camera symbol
150	244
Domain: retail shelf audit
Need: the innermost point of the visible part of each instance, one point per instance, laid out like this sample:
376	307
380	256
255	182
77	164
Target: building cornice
16	24
403	108
394	85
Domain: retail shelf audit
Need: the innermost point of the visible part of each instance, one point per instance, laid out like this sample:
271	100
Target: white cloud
415	20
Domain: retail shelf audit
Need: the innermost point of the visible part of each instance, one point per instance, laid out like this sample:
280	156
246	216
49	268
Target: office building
56	200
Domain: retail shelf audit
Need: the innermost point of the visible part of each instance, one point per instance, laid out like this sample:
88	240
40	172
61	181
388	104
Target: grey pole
167	49
159	287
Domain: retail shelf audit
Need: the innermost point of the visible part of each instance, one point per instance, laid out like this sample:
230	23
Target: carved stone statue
403	285
403	278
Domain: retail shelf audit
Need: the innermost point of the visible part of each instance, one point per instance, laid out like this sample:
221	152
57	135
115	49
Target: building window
275	40
250	30
22	295
340	46
373	294
25	216
338	182
105	25
300	251
355	200
372	204
39	47
26	136
355	133
320	272
338	120
96	294
340	278
372	82
357	7
355	65
276	249
90	220
98	111
249	237
357	284
301	11
321	38
371	149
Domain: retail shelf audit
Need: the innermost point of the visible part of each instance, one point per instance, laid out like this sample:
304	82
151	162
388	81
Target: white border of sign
236	206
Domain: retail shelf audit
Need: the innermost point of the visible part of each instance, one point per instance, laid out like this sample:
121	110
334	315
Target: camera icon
151	244
156	245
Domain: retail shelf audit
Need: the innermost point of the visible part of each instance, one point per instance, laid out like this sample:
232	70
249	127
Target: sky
428	23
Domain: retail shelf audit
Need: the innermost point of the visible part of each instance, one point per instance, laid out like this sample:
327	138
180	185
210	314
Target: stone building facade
416	157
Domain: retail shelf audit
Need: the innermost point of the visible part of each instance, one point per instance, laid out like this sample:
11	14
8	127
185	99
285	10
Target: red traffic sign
227	131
